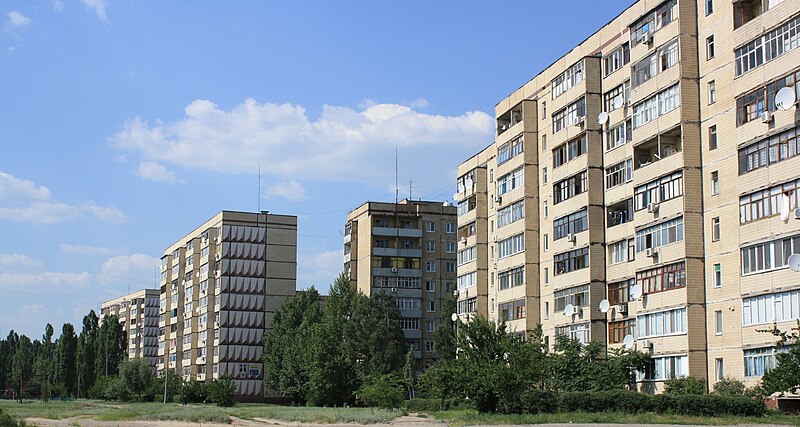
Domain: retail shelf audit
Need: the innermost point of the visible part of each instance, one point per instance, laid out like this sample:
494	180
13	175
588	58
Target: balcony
400	232
400	292
411	313
412	333
401	272
657	149
509	119
392	252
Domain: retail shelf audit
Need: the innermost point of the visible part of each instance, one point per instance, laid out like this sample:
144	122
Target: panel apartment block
593	187
407	249
138	314
220	286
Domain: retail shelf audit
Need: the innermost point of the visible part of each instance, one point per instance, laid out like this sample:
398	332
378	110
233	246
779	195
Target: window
570	261
430	286
712	92
712	138
467	255
578	296
450	247
664	368
767	256
450	227
659	235
407	303
716	279
715	229
652	22
709	7
619	135
656	106
668	322
710	47
545	243
546	276
512	310
617	252
544	142
430	266
430	246
547	310
767	203
579	332
616	59
544	175
511	278
569	151
509	150
430	226
660	190
511	213
430	347
430	306
617	97
769	46
510	181
544	209
467	306
572	114
619	173
672	276
544	108
658	62
719	369
466	206
757	361
430	325
773	149
467	280
510	246
569	78
570	224
569	187
618	330
619	292
717	322
771	308
407	324
450	266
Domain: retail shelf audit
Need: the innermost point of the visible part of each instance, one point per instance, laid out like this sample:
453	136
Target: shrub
222	391
110	388
384	391
194	391
536	401
432	405
685	385
729	387
8	420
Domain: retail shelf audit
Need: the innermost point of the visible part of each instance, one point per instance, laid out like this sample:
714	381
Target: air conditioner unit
652	253
766	117
202	359
499	200
580	122
652	207
647	345
622	308
394	269
394	290
646	38
571	238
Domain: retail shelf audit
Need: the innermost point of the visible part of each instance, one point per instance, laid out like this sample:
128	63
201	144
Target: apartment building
220	286
138	314
748	54
407	249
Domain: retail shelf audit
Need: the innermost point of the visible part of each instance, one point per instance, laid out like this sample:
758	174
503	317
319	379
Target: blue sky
125	124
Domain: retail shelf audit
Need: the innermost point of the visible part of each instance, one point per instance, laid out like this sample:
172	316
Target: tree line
68	366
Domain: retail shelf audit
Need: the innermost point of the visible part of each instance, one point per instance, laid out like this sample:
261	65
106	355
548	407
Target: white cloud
23	201
35	310
58	5
136	268
289	190
343	144
156	172
18	262
420	103
99	8
86	250
18	20
319	269
45	281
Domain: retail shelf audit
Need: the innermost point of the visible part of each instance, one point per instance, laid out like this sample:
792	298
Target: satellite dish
569	310
628	341
617	103
636	292
785	99
454	317
794	262
602	118
604	306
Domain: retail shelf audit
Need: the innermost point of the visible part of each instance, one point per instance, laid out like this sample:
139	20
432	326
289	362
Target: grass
194	413
471	417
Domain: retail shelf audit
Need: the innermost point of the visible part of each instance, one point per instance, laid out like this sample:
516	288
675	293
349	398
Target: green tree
444	336
382	391
66	365
136	375
685	385
111	345
380	344
44	364
87	351
785	375
222	391
22	365
286	346
7	350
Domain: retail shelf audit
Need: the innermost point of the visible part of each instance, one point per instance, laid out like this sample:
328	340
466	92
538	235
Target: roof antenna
396	185
259	187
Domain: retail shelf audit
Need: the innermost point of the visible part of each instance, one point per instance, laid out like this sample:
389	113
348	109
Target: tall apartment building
220	286
748	53
138	314
638	169
409	250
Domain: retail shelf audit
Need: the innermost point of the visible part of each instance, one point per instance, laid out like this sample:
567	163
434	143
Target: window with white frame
768	256
619	173
467	255
510	181
430	286
510	246
430	306
569	187
466	281
579	332
430	246
717	322
430	325
668	322
430	226
511	213
617	252
771	45
716	276
566	80
570	224
569	150
450	227
407	303
653	21
617	97
664	368
511	278
659	190
663	234
661	60
656	106
771	308
407	324
570	261
616	59
430	266
570	115
619	135
758	361
578	296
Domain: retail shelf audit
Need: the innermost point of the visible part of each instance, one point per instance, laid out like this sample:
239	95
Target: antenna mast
396	185
259	187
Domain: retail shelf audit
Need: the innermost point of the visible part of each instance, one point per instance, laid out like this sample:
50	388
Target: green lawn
472	417
116	411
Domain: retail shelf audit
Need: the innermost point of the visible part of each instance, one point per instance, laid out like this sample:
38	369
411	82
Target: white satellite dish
602	118
636	292
454	317
569	310
604	306
794	262
617	102
785	99
628	341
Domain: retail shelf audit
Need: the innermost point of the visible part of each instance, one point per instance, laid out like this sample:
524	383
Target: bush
384	391
729	387
685	385
536	401
222	391
110	388
8	420
194	391
433	405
